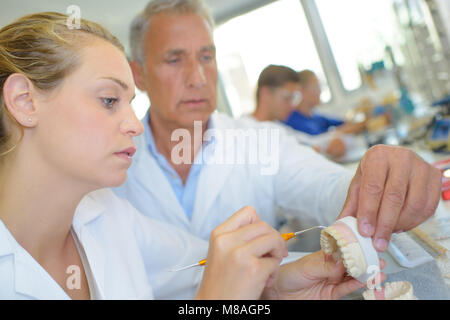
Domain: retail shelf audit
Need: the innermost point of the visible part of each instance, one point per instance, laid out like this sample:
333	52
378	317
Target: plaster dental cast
342	240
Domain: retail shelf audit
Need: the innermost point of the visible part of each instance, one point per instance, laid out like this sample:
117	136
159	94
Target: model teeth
402	290
331	240
334	244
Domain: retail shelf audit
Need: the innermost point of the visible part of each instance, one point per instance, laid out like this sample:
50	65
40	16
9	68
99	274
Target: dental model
402	290
342	239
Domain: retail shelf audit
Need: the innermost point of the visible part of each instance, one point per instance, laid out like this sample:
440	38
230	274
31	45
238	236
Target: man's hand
315	277
244	257
393	190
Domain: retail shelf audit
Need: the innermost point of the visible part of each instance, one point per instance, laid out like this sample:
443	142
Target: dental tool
286	237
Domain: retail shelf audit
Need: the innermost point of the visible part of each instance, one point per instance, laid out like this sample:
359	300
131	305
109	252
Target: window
140	104
274	34
358	32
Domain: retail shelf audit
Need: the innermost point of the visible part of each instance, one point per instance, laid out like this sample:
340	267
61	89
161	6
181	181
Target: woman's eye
109	102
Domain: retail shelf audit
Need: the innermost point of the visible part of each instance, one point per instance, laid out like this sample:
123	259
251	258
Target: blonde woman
66	134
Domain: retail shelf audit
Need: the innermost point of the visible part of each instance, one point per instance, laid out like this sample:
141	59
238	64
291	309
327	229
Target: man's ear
18	97
138	75
264	93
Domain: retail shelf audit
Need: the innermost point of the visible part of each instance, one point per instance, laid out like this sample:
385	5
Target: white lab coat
128	254
320	140
307	186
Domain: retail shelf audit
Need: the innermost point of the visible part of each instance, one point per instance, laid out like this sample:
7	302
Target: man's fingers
392	202
374	171
422	200
350	207
434	194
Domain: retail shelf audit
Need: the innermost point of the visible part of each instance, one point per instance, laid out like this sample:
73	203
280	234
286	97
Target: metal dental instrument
286	236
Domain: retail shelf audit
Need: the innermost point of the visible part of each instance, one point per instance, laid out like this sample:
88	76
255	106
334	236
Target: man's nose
195	77
131	125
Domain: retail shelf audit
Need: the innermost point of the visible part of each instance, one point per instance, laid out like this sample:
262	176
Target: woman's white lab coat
302	183
128	254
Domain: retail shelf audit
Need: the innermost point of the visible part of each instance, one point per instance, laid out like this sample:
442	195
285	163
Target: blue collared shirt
184	193
316	124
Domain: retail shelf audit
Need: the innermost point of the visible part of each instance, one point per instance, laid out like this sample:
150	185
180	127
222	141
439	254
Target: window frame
339	94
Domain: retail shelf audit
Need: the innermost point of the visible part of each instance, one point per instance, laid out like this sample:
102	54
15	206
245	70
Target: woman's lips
126	154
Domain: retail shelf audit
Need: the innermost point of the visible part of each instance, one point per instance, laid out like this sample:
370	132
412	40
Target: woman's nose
132	126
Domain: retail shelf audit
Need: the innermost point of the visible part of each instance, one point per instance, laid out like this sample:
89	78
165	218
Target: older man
174	62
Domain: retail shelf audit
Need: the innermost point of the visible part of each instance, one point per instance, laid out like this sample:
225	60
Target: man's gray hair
141	22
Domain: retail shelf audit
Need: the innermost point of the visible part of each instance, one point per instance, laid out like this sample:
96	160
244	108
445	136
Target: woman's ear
18	98
138	75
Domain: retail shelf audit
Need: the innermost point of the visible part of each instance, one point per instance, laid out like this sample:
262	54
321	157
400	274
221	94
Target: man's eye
207	58
109	102
173	61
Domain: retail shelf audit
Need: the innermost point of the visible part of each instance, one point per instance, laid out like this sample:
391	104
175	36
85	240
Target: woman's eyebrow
119	82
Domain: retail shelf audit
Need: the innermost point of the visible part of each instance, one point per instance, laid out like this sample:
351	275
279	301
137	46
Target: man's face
284	100
311	92
180	70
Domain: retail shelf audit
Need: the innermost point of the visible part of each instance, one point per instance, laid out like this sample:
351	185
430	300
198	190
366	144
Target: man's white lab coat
128	254
306	185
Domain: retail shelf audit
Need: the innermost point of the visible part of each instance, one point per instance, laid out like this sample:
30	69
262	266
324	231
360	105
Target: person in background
278	94
305	119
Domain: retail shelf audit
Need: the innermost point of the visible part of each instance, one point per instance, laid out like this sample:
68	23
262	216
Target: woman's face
86	125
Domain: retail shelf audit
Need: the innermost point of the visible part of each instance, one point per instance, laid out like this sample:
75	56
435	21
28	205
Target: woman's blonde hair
43	48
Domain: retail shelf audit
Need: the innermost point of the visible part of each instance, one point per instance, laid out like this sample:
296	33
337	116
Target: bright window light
277	33
358	32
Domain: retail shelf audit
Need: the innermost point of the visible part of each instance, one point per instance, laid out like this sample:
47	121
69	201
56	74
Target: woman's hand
315	277
244	257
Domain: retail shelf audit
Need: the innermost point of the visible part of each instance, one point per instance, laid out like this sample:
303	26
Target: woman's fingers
345	288
351	285
246	215
244	256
